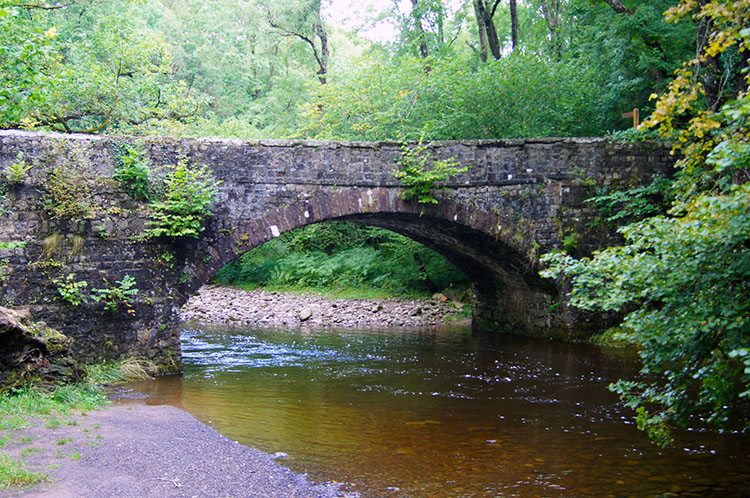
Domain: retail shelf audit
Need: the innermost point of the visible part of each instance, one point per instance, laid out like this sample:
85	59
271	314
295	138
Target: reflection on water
442	413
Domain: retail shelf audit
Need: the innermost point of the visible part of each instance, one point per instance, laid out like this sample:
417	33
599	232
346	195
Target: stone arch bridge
519	199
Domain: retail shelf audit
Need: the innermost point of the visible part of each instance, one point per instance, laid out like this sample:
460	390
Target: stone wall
519	199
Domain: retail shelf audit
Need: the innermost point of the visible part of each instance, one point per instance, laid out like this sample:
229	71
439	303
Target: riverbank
230	305
139	451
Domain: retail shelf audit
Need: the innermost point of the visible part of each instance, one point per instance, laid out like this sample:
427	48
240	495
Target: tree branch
618	6
27	5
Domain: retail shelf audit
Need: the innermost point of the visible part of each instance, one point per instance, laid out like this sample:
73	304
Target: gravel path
144	451
215	304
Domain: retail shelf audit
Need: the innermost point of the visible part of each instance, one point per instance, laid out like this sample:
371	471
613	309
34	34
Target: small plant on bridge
188	195
133	172
16	172
122	293
419	177
71	291
68	192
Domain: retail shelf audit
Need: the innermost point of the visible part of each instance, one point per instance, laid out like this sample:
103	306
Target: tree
513	24
303	21
96	68
633	54
417	16
551	12
485	11
682	278
25	46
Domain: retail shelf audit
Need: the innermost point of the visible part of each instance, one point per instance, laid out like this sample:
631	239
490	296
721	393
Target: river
442	413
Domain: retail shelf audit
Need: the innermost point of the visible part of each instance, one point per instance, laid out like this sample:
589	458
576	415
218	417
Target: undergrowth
39	401
344	260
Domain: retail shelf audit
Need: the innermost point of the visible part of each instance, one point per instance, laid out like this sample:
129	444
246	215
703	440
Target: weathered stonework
519	199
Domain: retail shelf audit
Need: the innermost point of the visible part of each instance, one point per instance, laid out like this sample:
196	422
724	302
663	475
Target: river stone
305	314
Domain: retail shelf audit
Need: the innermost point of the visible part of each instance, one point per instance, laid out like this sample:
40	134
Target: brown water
442	413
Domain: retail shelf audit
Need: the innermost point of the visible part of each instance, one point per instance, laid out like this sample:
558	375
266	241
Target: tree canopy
254	68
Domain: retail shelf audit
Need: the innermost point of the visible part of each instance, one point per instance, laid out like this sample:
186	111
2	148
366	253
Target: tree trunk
423	50
618	6
482	32
325	53
551	12
486	13
513	24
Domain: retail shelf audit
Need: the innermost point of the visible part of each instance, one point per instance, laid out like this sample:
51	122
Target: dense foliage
517	96
259	69
342	256
683	277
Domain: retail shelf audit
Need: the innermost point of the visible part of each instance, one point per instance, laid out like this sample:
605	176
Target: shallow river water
442	413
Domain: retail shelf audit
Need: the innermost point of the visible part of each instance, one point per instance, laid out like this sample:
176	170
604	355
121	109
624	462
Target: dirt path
150	451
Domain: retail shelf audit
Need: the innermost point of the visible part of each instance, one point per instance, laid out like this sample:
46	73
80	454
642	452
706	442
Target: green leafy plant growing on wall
122	293
188	195
71	291
68	192
420	175
133	172
16	172
570	243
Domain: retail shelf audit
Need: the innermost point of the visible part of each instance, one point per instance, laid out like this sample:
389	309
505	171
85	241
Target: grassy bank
51	407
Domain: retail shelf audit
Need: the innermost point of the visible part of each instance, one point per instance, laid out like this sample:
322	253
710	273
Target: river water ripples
442	413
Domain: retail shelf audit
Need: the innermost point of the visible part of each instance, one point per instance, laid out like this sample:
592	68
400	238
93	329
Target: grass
14	422
614	337
37	405
13	473
119	371
333	292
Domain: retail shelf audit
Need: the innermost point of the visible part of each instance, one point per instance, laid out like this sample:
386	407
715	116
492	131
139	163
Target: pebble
216	304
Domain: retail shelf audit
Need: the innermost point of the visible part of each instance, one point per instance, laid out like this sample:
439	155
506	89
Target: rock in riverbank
228	305
33	352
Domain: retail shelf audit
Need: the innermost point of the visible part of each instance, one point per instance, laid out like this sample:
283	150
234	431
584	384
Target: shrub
16	172
188	195
68	191
70	291
419	177
133	172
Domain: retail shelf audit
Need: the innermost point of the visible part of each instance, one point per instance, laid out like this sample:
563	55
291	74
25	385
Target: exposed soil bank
151	451
215	304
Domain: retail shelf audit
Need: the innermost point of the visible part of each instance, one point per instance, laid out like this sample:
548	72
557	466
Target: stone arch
487	247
